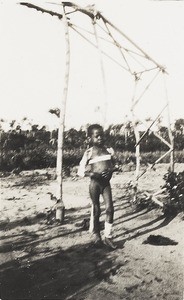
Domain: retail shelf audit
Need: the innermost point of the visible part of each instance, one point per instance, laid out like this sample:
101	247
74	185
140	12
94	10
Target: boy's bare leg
107	195
94	191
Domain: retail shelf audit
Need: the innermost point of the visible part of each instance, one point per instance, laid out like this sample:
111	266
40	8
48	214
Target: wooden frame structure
99	21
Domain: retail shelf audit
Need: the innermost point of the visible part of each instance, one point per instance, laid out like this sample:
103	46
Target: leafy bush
38	159
174	184
36	147
7	163
178	156
147	157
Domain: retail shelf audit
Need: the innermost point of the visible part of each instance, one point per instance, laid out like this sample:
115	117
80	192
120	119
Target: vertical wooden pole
138	158
102	72
59	193
171	138
137	150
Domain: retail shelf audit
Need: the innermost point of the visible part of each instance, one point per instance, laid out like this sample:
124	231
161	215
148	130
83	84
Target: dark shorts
99	184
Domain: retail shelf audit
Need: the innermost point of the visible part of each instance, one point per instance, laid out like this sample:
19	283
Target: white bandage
108	230
91	223
100	158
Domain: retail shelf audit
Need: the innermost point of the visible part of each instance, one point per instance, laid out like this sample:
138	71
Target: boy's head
96	134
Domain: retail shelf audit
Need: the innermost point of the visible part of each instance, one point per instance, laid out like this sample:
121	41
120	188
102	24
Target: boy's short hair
93	127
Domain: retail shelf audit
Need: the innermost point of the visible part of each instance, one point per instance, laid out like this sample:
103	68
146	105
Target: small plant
138	199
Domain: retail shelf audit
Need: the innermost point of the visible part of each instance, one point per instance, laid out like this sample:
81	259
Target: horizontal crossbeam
94	45
154	199
148	129
152	165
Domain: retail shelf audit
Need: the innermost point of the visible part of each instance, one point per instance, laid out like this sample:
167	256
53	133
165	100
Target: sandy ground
41	259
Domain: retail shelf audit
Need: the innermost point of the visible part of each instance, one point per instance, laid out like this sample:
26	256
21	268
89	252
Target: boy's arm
115	166
82	165
111	151
108	174
82	172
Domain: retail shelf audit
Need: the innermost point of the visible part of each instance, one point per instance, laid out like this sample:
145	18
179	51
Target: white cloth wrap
86	159
108	230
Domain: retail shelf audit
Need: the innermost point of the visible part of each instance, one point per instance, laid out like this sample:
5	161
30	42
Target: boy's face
97	137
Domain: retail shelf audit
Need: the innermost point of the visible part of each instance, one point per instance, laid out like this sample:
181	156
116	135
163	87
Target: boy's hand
104	175
107	175
95	175
116	168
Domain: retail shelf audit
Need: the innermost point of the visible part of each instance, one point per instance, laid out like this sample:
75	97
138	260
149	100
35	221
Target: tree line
36	147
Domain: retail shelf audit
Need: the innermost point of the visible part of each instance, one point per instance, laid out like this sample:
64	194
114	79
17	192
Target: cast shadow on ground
58	275
61	273
72	215
133	215
165	220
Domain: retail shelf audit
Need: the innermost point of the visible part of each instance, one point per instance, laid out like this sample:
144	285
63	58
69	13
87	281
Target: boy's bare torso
101	165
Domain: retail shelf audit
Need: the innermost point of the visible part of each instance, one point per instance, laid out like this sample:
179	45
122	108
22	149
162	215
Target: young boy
99	158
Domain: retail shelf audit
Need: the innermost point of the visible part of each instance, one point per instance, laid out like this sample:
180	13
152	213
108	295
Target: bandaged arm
82	165
84	162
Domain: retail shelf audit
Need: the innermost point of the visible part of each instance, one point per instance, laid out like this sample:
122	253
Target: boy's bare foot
108	242
96	239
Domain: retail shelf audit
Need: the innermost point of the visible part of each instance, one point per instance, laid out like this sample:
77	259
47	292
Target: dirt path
43	260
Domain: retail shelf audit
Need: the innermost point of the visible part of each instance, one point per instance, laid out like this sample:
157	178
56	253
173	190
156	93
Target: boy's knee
110	210
97	211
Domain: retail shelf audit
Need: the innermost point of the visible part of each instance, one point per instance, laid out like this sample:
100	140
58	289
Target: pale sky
32	56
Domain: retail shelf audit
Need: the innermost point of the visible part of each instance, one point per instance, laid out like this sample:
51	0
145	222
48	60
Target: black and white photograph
92	149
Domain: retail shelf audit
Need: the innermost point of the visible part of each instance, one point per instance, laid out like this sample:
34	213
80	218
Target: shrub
174	184
38	159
